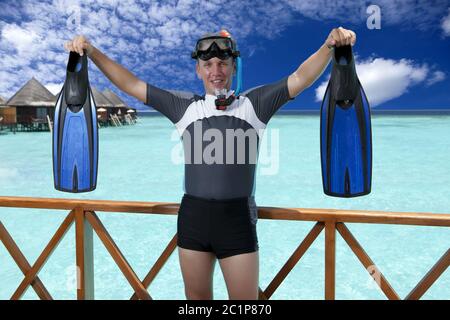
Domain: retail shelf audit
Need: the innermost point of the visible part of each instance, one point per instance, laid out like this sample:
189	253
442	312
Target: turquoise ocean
411	172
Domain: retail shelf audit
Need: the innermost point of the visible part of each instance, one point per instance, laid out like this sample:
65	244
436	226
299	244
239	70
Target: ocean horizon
374	111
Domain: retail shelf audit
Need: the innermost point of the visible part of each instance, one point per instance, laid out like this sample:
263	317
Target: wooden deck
82	214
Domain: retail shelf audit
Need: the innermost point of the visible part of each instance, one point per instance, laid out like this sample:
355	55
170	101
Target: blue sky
403	65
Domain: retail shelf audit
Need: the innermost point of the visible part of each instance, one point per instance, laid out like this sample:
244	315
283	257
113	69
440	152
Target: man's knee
244	294
196	294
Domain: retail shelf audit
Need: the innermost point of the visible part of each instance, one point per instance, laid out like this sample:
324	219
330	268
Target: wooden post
84	256
330	260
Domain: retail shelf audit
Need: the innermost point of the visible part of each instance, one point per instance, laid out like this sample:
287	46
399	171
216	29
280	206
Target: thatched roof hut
2	103
100	100
114	98
32	94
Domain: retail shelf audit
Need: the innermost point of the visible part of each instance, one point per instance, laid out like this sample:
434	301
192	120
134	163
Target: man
217	217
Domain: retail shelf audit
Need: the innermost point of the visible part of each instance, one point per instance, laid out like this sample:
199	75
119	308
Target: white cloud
349	11
387	79
446	24
132	11
437	76
161	13
22	39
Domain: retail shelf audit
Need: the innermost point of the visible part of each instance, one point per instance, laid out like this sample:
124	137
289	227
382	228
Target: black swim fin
345	131
75	131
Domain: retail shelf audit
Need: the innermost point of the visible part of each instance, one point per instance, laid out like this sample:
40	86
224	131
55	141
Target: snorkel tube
238	76
222	102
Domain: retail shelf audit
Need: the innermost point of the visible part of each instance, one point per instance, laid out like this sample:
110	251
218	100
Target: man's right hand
78	44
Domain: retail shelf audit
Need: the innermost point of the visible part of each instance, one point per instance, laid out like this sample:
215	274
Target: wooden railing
82	213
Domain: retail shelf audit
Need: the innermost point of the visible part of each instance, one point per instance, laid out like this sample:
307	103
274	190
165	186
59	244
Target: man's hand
78	44
340	37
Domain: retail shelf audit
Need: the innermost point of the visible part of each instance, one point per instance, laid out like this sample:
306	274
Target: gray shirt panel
267	99
222	171
172	104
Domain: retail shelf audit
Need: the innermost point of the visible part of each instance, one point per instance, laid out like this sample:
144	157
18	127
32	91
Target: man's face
215	73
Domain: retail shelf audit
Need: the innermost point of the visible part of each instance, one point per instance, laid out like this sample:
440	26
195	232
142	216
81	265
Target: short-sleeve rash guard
220	147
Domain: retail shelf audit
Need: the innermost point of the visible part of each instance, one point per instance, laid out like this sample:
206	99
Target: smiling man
218	215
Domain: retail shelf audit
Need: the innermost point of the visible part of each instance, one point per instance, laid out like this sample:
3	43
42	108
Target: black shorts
224	227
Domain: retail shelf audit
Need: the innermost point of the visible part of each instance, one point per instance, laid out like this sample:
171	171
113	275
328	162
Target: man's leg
197	268
241	274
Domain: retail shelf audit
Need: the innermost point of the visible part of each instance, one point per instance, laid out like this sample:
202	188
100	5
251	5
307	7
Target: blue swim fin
75	131
345	131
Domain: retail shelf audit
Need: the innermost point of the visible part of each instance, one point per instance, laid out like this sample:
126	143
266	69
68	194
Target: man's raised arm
121	77
310	70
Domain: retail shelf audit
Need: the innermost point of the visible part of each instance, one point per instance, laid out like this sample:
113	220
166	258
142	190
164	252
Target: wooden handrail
302	214
82	212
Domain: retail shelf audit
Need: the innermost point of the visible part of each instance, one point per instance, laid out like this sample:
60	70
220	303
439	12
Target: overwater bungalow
125	113
111	109
103	105
2	106
30	108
